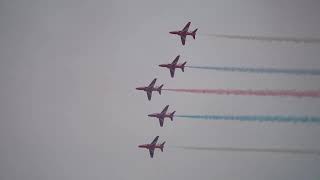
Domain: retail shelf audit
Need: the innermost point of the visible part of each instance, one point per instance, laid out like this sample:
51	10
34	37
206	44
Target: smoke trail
291	93
292	119
267	38
261	70
257	150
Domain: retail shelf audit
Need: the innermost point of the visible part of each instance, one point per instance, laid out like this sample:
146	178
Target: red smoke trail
292	93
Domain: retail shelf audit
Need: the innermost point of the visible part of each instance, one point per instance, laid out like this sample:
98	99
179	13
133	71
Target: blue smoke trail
261	70
292	119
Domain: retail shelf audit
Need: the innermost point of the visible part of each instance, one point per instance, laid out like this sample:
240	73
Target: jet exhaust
282	93
315	72
255	118
254	150
306	40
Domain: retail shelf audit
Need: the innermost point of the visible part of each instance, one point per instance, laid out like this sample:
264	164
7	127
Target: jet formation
184	32
161	116
151	87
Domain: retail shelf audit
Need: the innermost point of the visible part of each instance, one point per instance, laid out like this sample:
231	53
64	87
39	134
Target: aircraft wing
165	109
186	27
149	94
161	121
155	140
153	82
183	40
174	62
172	70
151	151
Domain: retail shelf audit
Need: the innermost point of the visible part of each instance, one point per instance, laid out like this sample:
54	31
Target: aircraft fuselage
159	115
147	89
150	146
181	33
169	66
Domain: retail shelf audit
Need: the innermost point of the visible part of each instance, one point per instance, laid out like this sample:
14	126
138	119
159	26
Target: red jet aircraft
151	88
184	32
152	146
172	67
161	116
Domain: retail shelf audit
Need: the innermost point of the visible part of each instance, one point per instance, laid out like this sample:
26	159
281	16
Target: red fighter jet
172	67
151	88
184	32
161	116
152	146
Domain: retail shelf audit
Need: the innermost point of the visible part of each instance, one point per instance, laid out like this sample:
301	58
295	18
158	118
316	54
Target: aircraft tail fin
171	115
160	88
183	65
194	33
162	146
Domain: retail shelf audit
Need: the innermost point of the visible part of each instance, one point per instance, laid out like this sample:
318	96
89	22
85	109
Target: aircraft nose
150	115
138	88
161	65
140	146
171	32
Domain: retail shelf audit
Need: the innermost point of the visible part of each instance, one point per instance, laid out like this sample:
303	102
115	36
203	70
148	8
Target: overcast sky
69	109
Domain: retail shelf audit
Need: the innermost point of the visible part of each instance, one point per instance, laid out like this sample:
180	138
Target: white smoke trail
309	40
256	150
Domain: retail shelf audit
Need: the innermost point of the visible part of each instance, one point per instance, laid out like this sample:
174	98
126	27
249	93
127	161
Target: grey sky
70	111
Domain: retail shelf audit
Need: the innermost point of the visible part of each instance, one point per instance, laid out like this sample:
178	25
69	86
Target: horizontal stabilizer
159	89
162	146
194	33
183	66
171	115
